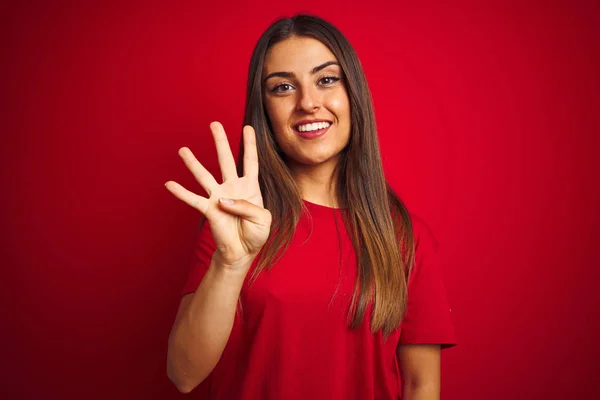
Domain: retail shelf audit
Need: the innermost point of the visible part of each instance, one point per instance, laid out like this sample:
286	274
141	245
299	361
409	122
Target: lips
309	121
313	134
311	129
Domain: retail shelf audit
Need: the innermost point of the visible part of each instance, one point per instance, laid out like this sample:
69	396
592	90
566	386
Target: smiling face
306	101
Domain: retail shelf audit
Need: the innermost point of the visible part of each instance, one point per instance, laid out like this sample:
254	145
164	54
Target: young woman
312	280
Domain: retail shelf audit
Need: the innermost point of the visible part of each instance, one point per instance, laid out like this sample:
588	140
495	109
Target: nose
309	101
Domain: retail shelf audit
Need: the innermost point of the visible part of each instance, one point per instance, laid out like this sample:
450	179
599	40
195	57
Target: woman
312	281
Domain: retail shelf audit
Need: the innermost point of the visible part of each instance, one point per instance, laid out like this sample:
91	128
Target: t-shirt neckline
320	208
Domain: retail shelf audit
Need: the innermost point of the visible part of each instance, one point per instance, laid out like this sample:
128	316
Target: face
306	101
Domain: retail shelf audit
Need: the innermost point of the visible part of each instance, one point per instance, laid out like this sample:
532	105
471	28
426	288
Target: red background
489	124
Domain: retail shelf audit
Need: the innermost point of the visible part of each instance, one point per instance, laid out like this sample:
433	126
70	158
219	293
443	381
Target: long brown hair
376	219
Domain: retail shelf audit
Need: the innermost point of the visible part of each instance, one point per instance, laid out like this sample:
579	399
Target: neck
317	184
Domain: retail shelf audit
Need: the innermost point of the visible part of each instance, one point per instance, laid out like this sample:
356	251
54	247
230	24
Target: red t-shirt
293	341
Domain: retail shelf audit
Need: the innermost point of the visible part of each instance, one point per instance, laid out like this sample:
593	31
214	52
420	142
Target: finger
246	210
250	152
203	177
198	202
226	162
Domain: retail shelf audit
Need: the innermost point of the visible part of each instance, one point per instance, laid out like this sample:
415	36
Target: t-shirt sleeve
203	252
428	317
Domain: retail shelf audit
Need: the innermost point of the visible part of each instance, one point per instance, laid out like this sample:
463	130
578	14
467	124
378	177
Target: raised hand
239	222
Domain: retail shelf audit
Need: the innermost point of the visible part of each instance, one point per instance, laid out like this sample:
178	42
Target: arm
203	326
239	227
420	371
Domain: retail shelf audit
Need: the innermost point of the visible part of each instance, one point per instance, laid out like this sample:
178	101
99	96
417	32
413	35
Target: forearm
199	337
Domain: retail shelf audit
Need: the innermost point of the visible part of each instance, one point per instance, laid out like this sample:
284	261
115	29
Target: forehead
297	54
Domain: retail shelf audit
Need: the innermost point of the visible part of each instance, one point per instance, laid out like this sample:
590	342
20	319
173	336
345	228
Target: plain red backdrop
488	117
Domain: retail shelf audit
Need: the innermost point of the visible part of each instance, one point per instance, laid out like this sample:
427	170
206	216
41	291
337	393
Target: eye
328	80
282	88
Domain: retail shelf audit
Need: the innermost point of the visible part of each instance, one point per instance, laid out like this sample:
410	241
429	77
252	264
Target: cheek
340	105
279	114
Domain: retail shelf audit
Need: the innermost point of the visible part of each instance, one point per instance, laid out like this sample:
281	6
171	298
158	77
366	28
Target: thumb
246	210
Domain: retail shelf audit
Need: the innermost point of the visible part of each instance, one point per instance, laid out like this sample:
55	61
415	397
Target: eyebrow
313	71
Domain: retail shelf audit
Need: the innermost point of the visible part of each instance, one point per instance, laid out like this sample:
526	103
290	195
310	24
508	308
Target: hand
239	223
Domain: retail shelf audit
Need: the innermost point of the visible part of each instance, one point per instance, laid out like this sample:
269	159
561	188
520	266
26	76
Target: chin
315	161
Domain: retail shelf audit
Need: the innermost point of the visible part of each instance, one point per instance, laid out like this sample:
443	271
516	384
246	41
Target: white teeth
313	127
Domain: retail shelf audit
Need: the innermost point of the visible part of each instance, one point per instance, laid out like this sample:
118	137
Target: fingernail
227	202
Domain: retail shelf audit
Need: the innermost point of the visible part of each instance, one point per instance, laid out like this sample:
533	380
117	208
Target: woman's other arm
420	371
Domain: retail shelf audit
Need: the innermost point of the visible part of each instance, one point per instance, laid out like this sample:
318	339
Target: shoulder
426	247
423	234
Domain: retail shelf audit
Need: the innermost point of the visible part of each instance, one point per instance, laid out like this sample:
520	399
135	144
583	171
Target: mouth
312	129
